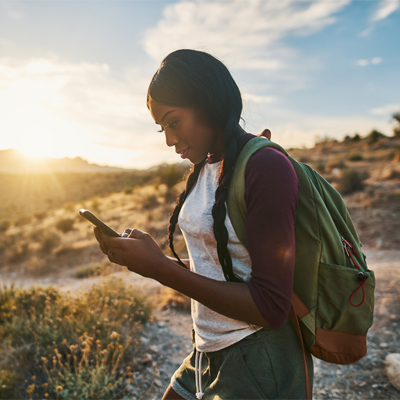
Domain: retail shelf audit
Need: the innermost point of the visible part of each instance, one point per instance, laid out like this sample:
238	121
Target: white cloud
362	63
15	15
384	9
376	60
70	109
373	61
386	110
246	34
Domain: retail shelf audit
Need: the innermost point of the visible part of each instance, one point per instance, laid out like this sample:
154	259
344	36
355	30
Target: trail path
167	337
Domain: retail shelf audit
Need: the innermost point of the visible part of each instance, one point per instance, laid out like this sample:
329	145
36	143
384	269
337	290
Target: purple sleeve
271	195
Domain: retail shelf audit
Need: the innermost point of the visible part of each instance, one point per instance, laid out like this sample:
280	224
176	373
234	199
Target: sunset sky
74	74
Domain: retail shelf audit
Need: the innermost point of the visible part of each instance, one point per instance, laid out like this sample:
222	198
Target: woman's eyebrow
165	115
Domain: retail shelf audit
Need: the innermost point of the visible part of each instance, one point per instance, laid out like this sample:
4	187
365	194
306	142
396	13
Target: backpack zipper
362	277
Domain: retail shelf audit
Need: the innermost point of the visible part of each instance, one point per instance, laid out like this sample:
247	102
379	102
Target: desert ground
52	245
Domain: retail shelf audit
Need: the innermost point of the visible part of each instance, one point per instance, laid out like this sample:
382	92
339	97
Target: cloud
384	9
386	110
372	61
15	15
73	108
247	34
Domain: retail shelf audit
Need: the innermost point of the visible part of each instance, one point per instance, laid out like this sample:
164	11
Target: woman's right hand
103	246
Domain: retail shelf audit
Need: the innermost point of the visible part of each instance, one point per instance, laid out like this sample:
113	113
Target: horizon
306	70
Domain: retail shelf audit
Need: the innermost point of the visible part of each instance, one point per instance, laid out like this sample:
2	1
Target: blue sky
74	74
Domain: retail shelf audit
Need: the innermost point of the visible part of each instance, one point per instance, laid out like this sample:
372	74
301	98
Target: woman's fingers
99	238
137	234
126	232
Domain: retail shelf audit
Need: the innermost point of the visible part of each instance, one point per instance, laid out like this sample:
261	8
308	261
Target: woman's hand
139	252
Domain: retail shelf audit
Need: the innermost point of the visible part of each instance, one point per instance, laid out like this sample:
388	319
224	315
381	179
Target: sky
74	74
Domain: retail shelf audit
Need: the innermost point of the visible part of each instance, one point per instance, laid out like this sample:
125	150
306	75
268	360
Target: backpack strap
237	214
235	201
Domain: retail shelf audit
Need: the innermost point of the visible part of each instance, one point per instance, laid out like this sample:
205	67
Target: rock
147	358
158	383
392	362
383	345
154	348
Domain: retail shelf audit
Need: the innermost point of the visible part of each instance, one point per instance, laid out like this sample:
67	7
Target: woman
244	344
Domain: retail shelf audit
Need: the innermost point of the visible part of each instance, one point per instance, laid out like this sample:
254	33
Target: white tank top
213	331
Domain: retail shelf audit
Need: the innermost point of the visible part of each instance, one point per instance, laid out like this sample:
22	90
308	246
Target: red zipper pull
347	245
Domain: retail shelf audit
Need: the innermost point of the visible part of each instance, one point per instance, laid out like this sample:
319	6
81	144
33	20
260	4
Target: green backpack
333	293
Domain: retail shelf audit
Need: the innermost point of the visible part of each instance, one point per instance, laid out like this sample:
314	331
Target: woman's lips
184	153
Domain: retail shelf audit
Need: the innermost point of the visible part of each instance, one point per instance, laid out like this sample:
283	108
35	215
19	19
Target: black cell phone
97	222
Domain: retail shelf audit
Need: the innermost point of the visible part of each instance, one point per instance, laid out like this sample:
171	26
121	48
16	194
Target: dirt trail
167	337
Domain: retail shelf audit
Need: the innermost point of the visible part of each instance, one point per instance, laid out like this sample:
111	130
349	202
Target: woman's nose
170	138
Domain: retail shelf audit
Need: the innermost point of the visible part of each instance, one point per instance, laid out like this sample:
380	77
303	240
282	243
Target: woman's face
188	130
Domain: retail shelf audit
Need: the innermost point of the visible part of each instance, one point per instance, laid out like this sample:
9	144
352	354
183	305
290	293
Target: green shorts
268	364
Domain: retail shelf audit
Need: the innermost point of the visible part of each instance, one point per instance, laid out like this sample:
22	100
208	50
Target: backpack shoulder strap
235	200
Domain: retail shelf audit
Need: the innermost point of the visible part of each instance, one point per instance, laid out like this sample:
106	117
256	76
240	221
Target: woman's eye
172	125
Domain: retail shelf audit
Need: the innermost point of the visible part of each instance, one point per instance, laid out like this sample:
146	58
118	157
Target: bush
374	136
65	225
20	254
170	175
355	157
334	163
350	181
4	225
50	240
70	347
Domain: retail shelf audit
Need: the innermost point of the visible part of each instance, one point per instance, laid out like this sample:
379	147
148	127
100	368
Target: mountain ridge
13	161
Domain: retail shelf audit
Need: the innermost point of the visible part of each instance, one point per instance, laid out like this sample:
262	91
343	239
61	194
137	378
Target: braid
232	138
190	182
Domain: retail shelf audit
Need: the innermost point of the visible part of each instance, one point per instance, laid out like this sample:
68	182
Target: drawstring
199	359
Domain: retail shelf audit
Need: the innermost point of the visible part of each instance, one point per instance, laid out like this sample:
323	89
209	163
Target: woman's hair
190	78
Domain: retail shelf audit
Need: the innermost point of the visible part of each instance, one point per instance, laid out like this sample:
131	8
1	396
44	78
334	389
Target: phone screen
97	222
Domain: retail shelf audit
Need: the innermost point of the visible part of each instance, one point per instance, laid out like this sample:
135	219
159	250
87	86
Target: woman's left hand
138	252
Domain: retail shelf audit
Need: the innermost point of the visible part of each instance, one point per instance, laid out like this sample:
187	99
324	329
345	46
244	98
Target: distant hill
13	161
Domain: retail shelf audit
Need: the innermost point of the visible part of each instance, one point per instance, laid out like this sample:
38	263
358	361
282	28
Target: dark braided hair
190	78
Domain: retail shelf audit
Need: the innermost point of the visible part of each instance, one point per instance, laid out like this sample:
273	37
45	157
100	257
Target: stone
392	363
146	359
154	348
383	345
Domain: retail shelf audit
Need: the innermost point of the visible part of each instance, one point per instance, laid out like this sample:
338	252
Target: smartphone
97	222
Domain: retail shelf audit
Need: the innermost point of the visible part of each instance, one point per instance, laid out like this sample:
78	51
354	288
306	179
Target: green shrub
170	175
350	181
374	136
65	225
70	347
128	189
355	157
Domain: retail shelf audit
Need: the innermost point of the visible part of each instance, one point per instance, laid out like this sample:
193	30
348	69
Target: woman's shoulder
268	159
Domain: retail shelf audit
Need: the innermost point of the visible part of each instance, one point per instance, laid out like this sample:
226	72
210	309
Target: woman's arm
185	261
141	254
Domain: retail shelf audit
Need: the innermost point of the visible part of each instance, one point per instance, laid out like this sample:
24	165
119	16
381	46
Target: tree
374	136
396	130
